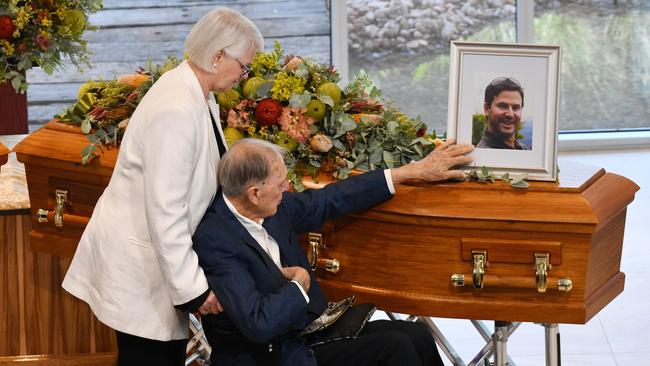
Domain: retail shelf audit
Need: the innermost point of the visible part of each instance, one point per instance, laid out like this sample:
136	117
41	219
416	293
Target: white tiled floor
620	334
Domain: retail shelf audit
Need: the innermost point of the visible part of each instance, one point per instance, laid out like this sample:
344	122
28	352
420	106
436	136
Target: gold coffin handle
316	243
540	282
523	282
61	199
478	267
542	266
71	221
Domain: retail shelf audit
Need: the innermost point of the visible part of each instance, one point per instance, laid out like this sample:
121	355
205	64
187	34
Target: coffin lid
62	143
584	195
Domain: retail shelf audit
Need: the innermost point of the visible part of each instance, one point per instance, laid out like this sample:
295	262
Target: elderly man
248	248
502	105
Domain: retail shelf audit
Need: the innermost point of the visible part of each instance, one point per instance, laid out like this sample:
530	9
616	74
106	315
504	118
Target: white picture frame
537	69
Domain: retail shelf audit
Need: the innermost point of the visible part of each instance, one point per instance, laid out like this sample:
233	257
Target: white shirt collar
248	223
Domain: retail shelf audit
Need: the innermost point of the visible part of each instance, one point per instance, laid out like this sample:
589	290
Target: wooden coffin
4	152
403	254
58	322
400	255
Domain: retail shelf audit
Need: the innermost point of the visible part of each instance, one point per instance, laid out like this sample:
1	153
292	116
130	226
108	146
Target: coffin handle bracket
61	200
315	244
542	266
479	264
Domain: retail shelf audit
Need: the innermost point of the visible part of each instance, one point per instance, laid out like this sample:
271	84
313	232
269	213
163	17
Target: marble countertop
13	184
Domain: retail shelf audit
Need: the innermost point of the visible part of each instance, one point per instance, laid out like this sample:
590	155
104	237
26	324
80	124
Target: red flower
7	27
268	112
21	48
420	132
43	42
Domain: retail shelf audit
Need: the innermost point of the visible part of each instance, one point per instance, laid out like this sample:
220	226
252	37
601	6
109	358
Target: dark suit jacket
264	311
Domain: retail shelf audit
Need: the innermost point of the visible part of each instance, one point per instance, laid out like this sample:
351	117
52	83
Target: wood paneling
13	241
38	316
132	32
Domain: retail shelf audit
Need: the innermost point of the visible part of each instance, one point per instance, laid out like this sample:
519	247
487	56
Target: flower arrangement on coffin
40	33
288	100
103	107
295	102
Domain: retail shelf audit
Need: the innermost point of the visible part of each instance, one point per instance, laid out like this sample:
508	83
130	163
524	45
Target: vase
13	110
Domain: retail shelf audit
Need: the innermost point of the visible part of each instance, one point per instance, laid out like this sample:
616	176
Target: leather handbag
340	320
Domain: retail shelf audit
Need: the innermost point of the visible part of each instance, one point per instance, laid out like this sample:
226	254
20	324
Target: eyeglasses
245	69
502	80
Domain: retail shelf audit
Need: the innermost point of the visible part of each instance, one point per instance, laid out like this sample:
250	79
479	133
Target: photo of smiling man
502	106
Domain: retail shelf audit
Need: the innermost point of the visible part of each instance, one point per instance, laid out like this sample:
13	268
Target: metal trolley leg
552	338
500	338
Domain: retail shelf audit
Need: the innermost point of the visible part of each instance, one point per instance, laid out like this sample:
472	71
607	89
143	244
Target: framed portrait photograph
503	98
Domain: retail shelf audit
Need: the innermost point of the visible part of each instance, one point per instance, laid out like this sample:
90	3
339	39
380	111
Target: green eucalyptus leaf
375	157
338	145
302	70
86	126
521	184
326	99
389	158
419	151
87	150
299	100
346	124
16	83
391	128
264	90
92	138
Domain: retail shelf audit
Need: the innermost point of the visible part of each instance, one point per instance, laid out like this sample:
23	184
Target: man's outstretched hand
437	165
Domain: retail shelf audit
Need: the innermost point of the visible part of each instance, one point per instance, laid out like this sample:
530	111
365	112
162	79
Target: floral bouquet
288	100
39	33
295	102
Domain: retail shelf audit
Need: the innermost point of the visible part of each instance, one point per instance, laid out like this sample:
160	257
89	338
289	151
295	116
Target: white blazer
135	259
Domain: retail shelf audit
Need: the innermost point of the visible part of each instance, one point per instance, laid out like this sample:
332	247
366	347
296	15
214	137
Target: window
404	47
605	77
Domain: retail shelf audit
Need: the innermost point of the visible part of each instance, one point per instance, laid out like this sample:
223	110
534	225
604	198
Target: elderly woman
135	265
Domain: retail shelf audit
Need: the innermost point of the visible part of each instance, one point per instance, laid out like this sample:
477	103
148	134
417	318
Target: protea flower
268	112
7	27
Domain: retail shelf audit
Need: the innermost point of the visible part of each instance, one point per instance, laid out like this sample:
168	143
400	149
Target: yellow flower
60	12
23	15
264	63
285	85
7	47
46	22
64	31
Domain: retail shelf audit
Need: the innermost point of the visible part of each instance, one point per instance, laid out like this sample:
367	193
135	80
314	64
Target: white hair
248	161
221	29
